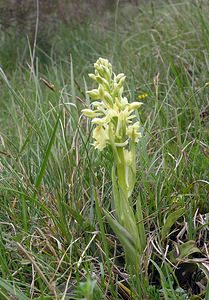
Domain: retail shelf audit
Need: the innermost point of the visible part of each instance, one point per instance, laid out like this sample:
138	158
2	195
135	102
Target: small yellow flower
143	96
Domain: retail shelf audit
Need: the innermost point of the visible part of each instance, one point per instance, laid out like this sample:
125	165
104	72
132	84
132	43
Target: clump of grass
52	183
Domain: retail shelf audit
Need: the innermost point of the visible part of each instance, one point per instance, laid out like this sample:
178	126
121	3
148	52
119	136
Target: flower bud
94	94
134	105
124	101
103	82
101	91
121	81
89	113
96	65
108	98
102	61
98	121
108	73
92	76
119	76
96	103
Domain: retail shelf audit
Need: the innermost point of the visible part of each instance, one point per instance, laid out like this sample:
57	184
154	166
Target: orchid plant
114	120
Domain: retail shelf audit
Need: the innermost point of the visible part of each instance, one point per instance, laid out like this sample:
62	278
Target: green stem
121	171
131	222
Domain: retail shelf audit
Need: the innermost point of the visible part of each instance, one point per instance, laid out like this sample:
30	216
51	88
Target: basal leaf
172	218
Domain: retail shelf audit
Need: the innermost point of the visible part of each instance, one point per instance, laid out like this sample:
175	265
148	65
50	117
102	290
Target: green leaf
46	156
140	223
202	264
72	81
207	292
11	289
162	279
172	218
125	238
3	296
184	250
116	197
102	230
205	268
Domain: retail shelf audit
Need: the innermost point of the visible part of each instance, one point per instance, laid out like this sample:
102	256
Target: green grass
53	184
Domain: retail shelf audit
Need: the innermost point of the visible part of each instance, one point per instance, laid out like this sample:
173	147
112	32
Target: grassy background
49	233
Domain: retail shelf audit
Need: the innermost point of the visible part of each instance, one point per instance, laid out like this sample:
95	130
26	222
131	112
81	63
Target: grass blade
46	156
6	286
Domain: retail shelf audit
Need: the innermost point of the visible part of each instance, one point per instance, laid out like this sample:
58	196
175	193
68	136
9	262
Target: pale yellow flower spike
111	108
